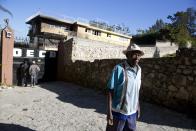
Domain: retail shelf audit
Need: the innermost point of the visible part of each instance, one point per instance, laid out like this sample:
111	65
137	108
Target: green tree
191	12
140	31
179	29
157	26
193	42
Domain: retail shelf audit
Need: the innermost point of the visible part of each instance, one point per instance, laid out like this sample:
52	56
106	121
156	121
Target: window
56	26
52	26
99	33
95	32
66	28
88	30
109	35
34	28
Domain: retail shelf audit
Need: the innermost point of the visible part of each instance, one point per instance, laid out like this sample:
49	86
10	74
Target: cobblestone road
59	106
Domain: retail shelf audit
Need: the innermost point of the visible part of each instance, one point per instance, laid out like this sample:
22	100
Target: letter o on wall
17	52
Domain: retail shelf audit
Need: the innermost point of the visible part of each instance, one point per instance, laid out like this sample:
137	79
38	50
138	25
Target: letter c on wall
42	53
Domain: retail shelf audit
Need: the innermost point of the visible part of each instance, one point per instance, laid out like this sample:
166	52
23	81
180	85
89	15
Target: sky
135	14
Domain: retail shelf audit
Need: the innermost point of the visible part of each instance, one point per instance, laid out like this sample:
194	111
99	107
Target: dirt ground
58	106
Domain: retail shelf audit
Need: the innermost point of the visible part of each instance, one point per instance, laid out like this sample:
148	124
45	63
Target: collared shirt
116	84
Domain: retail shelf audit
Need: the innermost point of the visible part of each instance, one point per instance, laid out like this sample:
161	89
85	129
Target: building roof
39	15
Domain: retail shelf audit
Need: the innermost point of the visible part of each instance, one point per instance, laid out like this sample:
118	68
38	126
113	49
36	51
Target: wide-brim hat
133	48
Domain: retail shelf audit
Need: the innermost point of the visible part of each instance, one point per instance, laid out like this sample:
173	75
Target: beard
133	62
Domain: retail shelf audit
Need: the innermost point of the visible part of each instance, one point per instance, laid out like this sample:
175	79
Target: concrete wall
48	28
166	81
6	56
114	39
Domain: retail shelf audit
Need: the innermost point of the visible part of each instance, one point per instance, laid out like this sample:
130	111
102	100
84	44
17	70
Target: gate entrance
12	58
46	60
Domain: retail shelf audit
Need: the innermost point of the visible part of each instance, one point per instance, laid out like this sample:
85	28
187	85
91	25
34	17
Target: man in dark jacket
24	72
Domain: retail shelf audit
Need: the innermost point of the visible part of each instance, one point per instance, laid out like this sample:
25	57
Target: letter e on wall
30	53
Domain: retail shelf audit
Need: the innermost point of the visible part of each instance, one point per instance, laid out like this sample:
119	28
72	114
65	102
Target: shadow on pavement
78	96
92	99
153	114
13	127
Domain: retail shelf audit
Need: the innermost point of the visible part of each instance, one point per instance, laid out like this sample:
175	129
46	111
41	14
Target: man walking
123	92
33	71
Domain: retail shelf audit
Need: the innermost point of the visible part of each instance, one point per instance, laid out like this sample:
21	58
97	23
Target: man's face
133	57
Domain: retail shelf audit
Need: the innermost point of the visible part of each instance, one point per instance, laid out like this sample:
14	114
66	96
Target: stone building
47	31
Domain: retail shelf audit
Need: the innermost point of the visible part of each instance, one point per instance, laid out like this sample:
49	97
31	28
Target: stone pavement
58	106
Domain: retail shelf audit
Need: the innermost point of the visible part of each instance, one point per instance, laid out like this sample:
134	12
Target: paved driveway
58	106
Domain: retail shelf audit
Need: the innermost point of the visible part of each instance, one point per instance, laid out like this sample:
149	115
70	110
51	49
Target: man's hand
110	119
138	113
109	109
138	110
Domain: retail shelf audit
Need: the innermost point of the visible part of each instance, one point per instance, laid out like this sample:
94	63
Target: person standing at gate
24	72
123	92
34	71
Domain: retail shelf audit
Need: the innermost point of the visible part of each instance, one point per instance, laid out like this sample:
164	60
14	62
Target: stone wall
164	47
170	81
89	50
166	81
